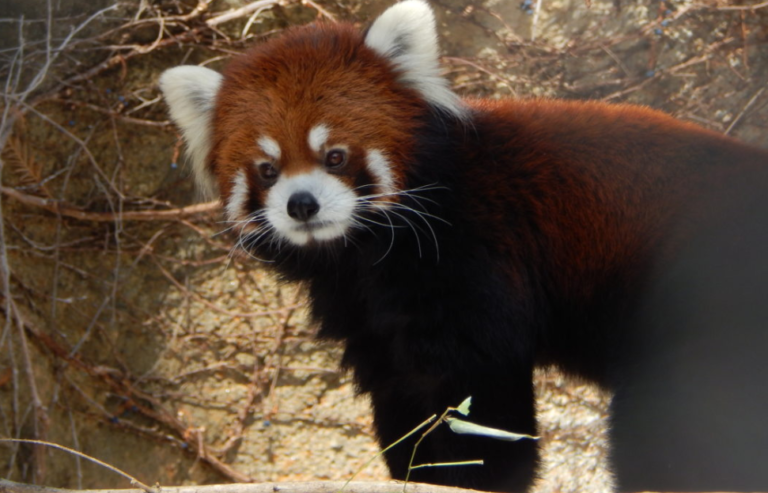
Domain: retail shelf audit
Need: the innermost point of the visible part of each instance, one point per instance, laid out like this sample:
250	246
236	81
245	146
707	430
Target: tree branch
288	487
64	209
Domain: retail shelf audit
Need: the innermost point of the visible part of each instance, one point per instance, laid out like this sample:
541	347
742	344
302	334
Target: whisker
401	211
415	233
421	213
357	223
408	192
247	240
391	241
256	216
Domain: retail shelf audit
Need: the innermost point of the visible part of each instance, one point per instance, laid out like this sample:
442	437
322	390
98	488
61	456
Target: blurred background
133	331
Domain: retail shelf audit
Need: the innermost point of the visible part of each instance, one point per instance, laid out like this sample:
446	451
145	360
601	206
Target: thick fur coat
454	245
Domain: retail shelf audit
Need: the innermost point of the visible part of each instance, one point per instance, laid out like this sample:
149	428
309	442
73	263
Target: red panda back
609	187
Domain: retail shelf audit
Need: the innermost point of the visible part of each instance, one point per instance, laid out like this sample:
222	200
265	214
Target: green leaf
464	406
466	428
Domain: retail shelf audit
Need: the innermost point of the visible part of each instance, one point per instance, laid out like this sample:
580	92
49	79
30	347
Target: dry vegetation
133	331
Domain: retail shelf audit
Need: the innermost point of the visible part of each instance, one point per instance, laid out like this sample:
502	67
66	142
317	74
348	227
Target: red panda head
303	132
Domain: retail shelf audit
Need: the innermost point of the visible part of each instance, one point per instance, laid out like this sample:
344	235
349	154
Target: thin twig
42	420
240	12
287	311
113	113
744	110
155	410
78	141
64	209
320	9
535	21
744	7
124	474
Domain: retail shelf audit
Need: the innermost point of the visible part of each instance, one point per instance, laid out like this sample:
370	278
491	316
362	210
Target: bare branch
287	487
746	107
241	12
59	207
744	7
144	488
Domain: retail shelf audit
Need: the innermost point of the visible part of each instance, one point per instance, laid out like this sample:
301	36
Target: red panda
454	245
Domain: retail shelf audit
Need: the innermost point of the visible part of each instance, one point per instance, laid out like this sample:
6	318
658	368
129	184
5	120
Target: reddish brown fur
564	217
606	186
266	93
623	171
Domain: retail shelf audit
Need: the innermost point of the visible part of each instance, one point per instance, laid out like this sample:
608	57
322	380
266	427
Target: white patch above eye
336	200
318	136
381	169
406	34
270	147
238	197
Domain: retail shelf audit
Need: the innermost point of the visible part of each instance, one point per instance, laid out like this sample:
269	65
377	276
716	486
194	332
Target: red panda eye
267	171
335	158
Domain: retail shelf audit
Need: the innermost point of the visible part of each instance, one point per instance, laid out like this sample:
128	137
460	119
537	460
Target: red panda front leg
504	403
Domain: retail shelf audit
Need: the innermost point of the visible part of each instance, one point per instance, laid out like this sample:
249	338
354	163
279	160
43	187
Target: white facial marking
380	168
238	196
270	147
334	217
318	136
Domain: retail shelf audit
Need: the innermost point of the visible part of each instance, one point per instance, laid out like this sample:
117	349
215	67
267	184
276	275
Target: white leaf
464	406
466	428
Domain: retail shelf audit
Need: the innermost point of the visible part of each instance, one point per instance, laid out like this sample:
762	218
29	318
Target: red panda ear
406	34
190	92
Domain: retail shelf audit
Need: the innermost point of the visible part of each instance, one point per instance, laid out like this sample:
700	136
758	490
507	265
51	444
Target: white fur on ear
190	92
406	34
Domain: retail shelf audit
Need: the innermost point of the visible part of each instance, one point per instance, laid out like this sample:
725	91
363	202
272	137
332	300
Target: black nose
302	206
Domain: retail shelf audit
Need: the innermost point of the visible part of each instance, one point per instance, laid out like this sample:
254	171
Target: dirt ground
135	332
